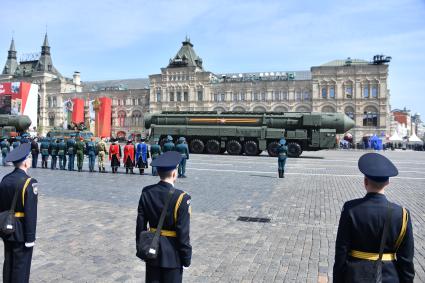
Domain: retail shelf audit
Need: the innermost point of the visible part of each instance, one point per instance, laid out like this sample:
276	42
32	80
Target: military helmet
182	139
282	141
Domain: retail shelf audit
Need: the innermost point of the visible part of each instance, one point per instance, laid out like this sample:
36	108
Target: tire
259	152
272	148
196	146
233	147
294	149
250	148
213	147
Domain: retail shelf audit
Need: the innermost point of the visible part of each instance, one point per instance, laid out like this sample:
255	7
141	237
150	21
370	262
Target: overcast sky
134	38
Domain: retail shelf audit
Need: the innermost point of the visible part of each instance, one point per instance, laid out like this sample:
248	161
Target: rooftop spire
12	45
46	41
45	48
11	62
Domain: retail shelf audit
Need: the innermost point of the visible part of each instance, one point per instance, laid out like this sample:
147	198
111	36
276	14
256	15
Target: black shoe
183	176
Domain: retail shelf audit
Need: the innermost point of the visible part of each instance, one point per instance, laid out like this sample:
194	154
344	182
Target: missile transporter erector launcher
12	125
250	133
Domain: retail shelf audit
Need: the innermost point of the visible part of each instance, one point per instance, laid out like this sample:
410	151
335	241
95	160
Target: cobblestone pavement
86	227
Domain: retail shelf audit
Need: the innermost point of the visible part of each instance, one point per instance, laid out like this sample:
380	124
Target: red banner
78	110
105	117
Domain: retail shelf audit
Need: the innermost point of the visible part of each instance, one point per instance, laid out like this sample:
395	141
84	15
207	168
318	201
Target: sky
106	39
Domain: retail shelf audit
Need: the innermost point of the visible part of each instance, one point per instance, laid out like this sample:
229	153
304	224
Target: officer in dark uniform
91	153
361	227
53	148
281	157
183	149
155	153
5	149
169	145
62	153
35	151
44	148
70	148
175	250
19	245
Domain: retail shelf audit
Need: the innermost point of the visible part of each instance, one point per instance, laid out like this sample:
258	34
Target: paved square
86	226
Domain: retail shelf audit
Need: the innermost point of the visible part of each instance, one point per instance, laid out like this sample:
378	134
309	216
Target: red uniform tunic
115	155
129	156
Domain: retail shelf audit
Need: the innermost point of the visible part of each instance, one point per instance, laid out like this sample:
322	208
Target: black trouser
17	262
34	160
156	274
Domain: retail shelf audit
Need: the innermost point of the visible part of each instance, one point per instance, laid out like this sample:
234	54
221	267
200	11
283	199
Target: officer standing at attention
175	251
155	153
5	149
54	153
115	156
182	148
91	153
101	153
281	157
18	246
142	155
361	228
70	148
34	152
169	145
44	148
80	147
16	142
61	153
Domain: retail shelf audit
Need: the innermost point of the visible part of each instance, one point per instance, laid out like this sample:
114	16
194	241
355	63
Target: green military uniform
101	153
5	149
182	148
62	153
155	152
44	148
169	145
80	146
281	154
53	148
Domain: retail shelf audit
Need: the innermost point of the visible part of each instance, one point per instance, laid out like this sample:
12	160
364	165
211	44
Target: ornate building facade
355	87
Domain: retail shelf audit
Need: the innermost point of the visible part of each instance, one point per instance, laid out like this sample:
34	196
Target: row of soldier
64	152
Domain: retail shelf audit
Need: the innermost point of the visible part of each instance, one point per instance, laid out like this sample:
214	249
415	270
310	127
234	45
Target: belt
165	233
19	214
372	256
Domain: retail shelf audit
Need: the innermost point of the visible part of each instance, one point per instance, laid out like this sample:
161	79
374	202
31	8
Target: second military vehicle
250	133
66	134
13	125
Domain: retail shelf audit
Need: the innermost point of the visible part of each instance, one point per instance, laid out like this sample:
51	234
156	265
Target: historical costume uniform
155	152
169	145
70	148
35	151
115	156
142	155
175	251
129	157
53	149
80	147
18	246
62	154
91	153
183	149
368	221
44	148
101	155
281	157
5	149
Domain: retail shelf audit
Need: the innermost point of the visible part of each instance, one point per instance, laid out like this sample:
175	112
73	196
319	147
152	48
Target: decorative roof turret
11	62
186	57
45	63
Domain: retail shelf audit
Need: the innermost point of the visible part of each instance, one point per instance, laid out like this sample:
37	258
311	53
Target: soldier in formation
16	142
169	145
101	154
129	157
70	148
176	251
142	155
53	148
115	156
155	153
44	148
5	149
281	157
18	245
375	237
183	149
35	151
80	148
91	153
62	154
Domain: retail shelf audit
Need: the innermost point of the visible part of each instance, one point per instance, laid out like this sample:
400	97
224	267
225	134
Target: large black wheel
196	146
294	149
250	148
213	147
234	147
272	148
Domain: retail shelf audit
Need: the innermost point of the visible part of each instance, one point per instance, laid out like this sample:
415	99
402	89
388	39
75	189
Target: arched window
121	118
239	109
349	111
332	92
328	109
54	102
219	109
370	116
302	109
259	109
348	90
280	109
136	118
374	91
306	95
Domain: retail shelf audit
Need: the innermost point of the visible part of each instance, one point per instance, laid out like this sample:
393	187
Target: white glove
30	245
185	267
